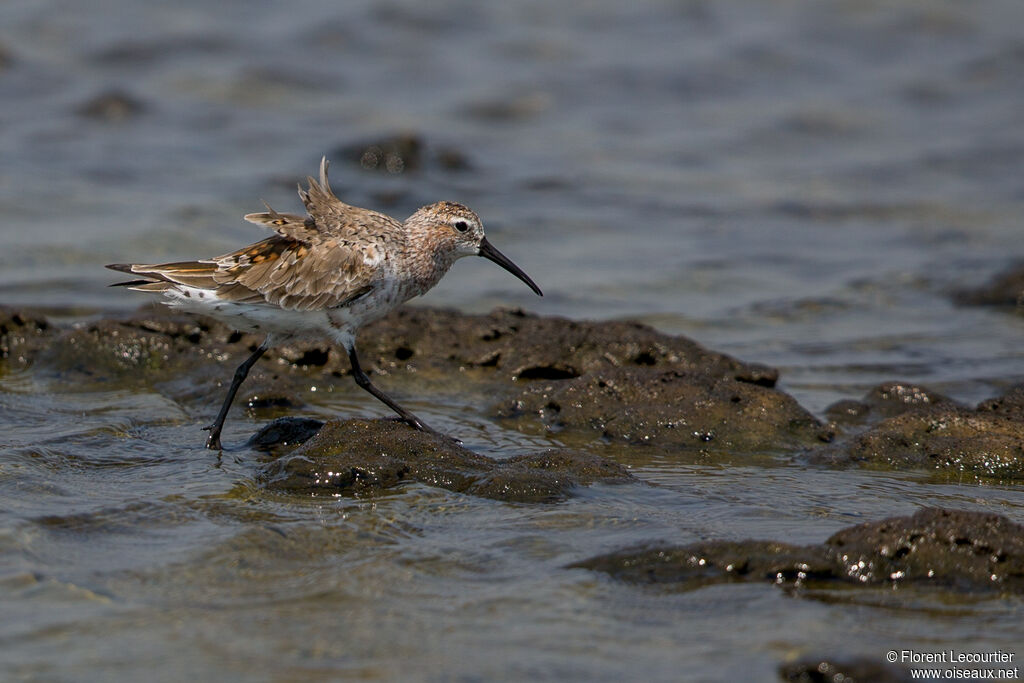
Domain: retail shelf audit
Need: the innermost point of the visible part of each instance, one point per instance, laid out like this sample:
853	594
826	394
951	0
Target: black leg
213	442
363	381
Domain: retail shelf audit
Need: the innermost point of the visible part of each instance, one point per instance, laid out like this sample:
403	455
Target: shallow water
795	183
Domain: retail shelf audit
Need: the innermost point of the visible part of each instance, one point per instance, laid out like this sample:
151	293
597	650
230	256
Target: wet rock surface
950	549
927	431
618	380
285	431
962	550
510	344
622	381
668	407
518	345
1009	405
149	347
368	456
22	334
885	400
611	382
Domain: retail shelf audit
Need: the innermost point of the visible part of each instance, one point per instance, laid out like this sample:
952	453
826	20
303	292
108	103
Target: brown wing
312	262
301	228
278	271
295	275
329	217
325	209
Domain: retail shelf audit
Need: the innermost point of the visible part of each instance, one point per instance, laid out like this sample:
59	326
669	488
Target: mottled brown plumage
322	275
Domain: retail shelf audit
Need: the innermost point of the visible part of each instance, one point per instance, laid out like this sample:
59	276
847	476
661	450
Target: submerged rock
367	456
951	549
698	564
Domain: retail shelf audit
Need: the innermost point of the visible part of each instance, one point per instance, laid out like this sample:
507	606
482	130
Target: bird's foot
419	424
213	441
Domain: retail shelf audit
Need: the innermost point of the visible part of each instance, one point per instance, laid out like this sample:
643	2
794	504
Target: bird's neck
425	266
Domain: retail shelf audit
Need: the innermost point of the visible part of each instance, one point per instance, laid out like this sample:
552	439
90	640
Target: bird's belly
348	319
256	318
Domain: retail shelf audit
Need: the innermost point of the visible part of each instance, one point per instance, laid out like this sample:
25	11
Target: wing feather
290	225
311	263
287	273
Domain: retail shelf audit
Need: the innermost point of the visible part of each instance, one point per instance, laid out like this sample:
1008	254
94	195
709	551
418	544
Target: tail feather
189	273
149	286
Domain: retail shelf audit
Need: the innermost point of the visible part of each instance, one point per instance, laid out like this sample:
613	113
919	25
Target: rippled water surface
795	183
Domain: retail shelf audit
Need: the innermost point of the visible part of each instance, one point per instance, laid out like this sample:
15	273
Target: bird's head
452	230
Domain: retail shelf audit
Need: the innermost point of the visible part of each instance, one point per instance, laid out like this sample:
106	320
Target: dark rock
842	670
23	334
668	407
1006	290
624	380
709	562
113	106
518	345
1010	404
925	430
848	411
948	439
147	348
285	431
513	344
885	400
892	398
957	549
367	456
950	549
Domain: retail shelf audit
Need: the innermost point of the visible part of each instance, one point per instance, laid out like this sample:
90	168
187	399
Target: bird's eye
461	226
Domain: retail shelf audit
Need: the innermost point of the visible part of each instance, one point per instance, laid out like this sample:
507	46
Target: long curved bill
492	254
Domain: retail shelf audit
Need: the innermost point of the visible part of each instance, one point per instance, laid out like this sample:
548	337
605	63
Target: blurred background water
795	182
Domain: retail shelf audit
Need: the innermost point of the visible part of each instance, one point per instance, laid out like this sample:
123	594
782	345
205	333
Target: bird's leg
213	441
363	380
